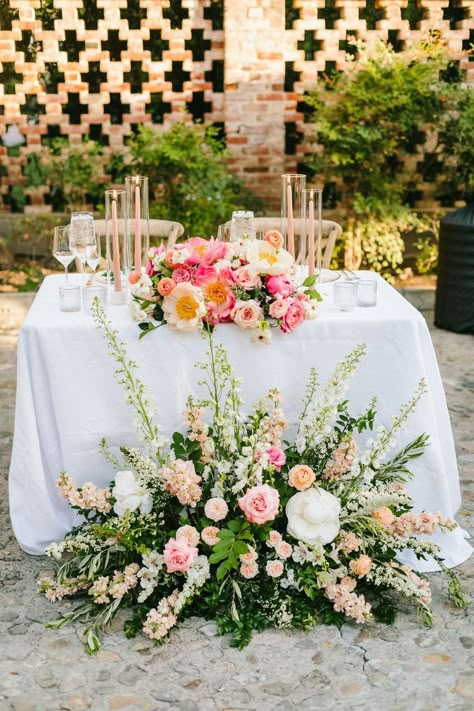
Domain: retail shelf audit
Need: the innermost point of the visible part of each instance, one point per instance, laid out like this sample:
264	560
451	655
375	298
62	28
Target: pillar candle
138	235
116	248
289	212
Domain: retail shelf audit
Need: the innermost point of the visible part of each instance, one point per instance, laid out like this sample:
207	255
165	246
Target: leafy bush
188	171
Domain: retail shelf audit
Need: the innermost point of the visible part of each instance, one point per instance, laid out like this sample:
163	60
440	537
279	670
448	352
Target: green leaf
225	533
240	547
234	525
217	557
310	280
313	294
222	570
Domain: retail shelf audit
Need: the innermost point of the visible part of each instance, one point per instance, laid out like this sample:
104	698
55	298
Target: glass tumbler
70	297
89	293
367	292
345	295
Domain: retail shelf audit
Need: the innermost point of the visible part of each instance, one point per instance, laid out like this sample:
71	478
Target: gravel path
402	667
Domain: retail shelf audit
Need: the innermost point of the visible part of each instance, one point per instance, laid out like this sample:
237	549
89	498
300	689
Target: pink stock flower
280	284
179	555
277	457
260	504
293	317
279	308
182	273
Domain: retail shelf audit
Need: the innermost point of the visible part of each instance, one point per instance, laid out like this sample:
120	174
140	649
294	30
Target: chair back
330	232
163	229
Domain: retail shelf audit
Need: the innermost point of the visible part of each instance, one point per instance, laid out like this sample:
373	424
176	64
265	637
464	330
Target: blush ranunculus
277	457
284	550
182	273
301	477
165	286
280	284
260	504
293	317
246	314
274	539
179	555
274	238
279	308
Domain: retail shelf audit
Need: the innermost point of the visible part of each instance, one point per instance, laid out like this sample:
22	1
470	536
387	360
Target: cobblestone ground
402	667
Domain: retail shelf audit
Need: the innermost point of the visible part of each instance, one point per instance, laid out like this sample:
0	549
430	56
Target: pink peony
189	533
281	285
277	457
247	279
179	555
209	535
274	568
216	509
249	570
279	308
260	503
293	317
214	251
218	295
246	314
182	273
196	247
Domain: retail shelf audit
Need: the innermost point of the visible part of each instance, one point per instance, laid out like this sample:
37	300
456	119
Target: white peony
313	516
130	495
262	258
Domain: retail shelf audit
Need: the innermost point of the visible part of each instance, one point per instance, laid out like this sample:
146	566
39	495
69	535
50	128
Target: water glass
345	295
367	292
70	297
242	225
89	293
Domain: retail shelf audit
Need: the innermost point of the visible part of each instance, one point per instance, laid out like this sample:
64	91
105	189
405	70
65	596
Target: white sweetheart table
68	398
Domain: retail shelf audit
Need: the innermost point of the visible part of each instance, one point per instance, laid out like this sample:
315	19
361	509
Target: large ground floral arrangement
231	522
200	282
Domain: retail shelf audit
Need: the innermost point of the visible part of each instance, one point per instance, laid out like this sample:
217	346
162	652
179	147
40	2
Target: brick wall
75	68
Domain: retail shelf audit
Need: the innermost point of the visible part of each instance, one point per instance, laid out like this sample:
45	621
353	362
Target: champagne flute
61	249
82	236
93	255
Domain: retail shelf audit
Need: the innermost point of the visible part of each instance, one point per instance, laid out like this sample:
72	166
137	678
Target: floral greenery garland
231	523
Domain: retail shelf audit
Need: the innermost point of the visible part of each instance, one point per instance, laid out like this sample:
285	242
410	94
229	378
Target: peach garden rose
260	504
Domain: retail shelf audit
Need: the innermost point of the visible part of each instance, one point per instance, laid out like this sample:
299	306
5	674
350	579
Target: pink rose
179	555
281	285
246	278
250	556
276	457
209	535
279	308
284	550
260	504
182	273
246	314
249	570
293	317
216	509
189	533
274	568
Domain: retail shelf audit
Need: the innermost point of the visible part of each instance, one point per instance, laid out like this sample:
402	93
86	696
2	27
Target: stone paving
406	666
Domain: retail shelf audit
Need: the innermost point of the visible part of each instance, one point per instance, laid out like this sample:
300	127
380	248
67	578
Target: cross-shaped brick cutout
71	45
28	45
290	76
7	14
175	13
136	77
51	77
47	13
198	45
347	45
9	77
114	46
310	44
454	14
91	14
157	108
177	76
393	38
133	13
329	13
74	108
156	45
94	77
31	108
371	14
291	14
468	46
413	12
116	109
216	75
197	107
215	13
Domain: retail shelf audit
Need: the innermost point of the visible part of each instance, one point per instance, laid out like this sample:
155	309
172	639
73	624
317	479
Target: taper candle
289	213
115	246
138	232
311	234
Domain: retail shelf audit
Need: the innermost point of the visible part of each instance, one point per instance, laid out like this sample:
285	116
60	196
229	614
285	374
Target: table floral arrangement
205	282
233	523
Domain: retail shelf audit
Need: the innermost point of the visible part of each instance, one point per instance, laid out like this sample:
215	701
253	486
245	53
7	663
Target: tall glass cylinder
117	246
136	188
314	229
293	215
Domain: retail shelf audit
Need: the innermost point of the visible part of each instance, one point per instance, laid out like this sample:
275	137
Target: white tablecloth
68	398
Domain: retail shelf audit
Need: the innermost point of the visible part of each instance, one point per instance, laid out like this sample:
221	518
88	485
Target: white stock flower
130	495
136	311
313	516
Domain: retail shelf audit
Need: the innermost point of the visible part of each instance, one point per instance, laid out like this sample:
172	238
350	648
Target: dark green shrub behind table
454	309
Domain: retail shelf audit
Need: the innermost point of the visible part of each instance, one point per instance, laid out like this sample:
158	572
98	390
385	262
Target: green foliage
456	135
189	176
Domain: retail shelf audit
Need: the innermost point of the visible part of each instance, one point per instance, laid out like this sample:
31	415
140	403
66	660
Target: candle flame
137	180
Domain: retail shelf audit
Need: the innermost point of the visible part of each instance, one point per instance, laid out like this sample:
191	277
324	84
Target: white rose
130	495
313	516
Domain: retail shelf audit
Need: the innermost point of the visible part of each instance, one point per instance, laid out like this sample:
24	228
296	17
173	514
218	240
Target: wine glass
61	248
82	237
93	255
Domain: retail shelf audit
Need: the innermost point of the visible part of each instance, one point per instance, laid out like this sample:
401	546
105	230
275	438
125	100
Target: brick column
254	99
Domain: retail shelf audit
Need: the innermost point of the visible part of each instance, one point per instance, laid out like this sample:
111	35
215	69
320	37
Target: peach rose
189	533
248	557
274	238
179	555
284	550
279	308
384	515
301	477
274	538
249	570
274	568
134	276
165	286
260	504
209	535
361	566
246	314
216	509
246	278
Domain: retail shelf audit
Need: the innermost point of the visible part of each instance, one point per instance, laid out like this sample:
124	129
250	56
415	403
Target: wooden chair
331	231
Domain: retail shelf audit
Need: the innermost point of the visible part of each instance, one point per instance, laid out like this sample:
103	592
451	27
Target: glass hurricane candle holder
136	188
293	215
117	249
